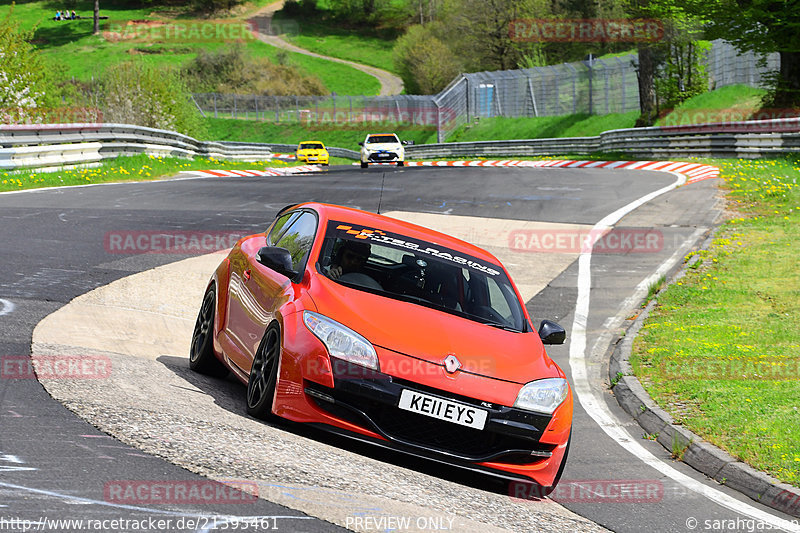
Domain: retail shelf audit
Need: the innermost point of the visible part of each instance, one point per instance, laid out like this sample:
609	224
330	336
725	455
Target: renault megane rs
390	333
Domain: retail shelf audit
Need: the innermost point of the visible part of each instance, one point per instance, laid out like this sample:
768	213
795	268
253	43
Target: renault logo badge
451	363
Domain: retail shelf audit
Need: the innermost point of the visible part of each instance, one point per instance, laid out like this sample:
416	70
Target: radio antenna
380	198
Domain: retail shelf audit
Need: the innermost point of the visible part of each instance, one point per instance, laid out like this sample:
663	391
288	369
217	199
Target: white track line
594	404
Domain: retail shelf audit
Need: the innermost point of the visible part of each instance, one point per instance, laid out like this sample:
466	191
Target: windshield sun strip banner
343	230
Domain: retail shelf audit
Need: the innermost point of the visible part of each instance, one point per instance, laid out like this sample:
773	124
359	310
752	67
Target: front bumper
307	158
383	156
369	399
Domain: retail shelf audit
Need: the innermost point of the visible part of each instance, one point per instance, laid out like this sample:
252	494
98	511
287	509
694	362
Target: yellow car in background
313	152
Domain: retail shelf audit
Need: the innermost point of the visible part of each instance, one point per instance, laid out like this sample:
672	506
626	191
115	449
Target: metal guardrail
746	140
39	146
291	148
55	145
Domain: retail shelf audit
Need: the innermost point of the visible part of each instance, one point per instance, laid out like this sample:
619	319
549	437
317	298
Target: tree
424	62
22	74
136	92
478	31
96	17
761	26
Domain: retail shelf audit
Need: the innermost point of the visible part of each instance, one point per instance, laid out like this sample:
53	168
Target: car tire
264	374
364	165
400	163
201	352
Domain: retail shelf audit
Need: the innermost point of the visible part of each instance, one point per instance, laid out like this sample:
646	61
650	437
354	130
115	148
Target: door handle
246	274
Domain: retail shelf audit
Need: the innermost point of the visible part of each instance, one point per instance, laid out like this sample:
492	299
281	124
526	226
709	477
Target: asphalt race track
54	247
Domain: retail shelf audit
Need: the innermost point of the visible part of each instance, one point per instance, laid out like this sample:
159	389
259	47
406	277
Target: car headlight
341	341
543	395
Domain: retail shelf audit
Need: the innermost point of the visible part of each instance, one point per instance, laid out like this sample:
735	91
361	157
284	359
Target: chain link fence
595	87
727	66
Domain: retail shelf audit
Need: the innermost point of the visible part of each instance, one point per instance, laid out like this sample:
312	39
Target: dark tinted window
402	268
382	139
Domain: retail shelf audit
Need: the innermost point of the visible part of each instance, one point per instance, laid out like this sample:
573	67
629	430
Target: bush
136	92
233	71
424	62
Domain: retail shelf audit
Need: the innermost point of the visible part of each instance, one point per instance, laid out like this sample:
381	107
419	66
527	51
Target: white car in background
382	148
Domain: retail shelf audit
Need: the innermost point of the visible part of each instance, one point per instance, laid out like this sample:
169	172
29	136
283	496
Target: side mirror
361	144
408	142
278	259
552	333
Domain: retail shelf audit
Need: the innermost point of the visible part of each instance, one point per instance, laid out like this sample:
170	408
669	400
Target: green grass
578	125
721	350
727	104
362	46
72	51
221	129
123	168
337	77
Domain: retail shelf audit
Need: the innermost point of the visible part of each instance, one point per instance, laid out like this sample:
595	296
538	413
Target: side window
299	238
280	225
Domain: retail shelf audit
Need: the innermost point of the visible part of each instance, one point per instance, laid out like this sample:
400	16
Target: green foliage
761	26
137	92
424	62
22	73
683	72
233	70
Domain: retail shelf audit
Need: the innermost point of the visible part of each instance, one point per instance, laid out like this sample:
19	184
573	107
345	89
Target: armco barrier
748	140
292	148
38	146
53	145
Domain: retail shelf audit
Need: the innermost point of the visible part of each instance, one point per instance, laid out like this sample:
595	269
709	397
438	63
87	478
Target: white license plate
455	412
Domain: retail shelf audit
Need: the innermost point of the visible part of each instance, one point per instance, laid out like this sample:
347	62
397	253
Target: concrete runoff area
142	326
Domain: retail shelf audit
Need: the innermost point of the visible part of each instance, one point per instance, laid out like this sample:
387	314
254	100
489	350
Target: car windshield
411	270
311	146
375	139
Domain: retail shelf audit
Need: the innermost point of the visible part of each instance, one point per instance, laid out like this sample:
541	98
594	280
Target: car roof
380	134
357	216
309	142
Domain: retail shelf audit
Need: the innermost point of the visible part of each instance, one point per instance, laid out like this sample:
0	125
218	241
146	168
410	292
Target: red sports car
390	333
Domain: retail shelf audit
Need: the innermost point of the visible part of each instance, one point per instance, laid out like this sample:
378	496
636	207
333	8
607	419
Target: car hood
312	151
373	147
431	335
